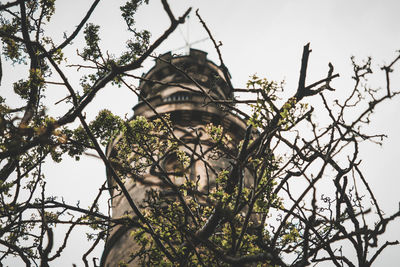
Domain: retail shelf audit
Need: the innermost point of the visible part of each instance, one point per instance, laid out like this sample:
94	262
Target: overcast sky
264	37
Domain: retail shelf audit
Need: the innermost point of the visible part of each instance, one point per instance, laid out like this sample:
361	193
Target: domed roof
194	68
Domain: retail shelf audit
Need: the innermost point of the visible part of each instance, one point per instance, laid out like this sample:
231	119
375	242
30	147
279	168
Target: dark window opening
178	97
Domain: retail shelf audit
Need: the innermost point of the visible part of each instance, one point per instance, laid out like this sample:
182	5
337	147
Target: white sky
263	37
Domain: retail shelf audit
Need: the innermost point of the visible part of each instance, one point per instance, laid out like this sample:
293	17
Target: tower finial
186	37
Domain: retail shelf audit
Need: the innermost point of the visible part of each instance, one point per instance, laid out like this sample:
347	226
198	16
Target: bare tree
265	206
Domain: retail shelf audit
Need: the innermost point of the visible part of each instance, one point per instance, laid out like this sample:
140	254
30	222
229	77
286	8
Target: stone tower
186	101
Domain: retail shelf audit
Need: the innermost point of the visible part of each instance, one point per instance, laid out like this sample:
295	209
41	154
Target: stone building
181	87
